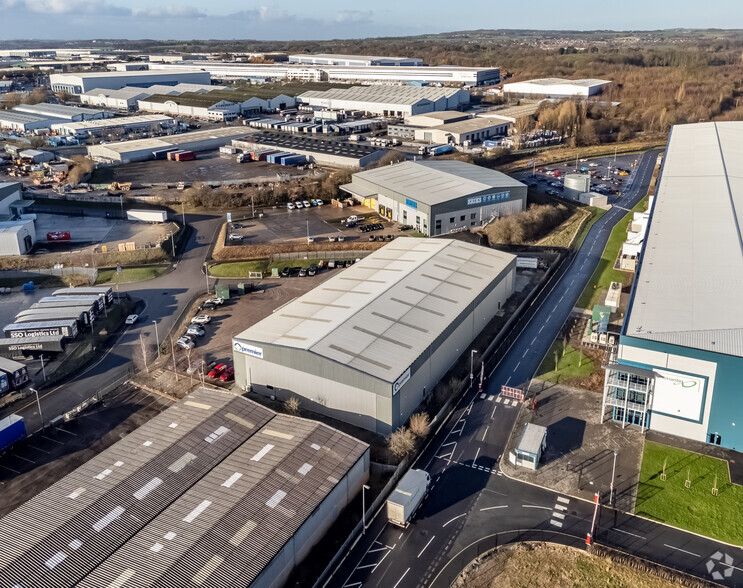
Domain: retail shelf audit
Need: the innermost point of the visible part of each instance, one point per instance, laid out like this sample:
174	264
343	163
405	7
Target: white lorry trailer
148	216
407	497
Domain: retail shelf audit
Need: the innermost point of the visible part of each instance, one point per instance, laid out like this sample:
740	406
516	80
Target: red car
228	374
217	370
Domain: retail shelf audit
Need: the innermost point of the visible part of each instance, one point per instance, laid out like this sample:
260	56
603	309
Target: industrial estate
297	317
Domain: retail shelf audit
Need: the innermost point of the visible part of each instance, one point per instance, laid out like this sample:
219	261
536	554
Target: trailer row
273	156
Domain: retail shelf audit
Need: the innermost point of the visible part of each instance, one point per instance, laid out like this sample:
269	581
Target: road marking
535	506
556	523
500	399
454	519
485	433
401	577
561	507
482	396
447	444
367	566
379	549
558	515
533	340
476	455
517	365
24	459
541	329
681	550
563	500
10	469
400	537
508	380
352	585
490	398
427	544
492	414
52	440
39	449
525	352
493	507
381	560
628	533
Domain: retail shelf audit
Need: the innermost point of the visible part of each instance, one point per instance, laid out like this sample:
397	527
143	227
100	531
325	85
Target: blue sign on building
411	203
488	198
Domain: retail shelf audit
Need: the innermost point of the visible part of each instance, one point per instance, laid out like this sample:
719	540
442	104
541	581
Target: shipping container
294	160
58	236
12	430
150	216
32	346
263	156
105	291
87	309
185	156
163	153
66	328
407	497
77	299
52	314
17	372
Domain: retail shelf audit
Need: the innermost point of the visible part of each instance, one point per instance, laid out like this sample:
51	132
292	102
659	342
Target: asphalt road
471	506
162	298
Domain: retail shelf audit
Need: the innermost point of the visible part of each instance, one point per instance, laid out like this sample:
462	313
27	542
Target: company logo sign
488	198
401	381
248	349
45	333
679	381
411	203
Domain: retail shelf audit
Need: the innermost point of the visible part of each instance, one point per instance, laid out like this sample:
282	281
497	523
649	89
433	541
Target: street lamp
157	338
206	274
613	470
38	403
472	365
364	488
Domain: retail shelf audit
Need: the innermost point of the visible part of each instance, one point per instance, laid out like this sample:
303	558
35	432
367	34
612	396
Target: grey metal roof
208	490
55	110
41	324
383	94
688	288
531	438
382	313
434	182
586	82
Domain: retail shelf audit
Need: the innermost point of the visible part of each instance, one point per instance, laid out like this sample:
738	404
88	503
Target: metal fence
319	254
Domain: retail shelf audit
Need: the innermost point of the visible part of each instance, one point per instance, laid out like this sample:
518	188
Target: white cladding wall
684	365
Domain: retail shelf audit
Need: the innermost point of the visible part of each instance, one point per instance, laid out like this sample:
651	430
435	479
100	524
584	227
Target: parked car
340	263
319	202
331	264
227	374
593	164
235	237
350	225
312	270
208	305
310	239
341	237
201	319
353	219
302	272
298	204
217	370
217	301
332	238
131	319
306	203
185	343
290	205
195	330
286	272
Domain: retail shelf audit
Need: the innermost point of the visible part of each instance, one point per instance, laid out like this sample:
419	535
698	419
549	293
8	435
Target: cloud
76	7
173	10
353	16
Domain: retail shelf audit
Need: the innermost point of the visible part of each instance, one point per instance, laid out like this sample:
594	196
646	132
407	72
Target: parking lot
207	167
320	222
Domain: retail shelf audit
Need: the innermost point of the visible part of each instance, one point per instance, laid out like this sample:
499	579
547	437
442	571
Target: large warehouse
154	123
77	83
556	88
24	122
352	60
387	100
143	149
450	127
369	344
70	113
215	105
126	98
215	491
438	197
680	357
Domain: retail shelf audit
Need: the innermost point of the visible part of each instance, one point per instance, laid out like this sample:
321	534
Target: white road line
508	380
401	577
485	432
454	519
482	396
628	533
427	544
563	500
499	399
681	550
517	366
558	515
447	444
525	352
556	523
476	455
533	340
381	560
561	507
352	585
541	328
367	566
493	507
400	537
492	414
490	398
535	506
379	549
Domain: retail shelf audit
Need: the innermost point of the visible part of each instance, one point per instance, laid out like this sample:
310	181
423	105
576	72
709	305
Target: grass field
605	273
567	364
695	508
237	269
129	274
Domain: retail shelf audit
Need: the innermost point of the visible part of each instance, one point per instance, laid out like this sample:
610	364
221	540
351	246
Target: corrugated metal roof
531	438
384	94
434	182
210	489
688	288
380	315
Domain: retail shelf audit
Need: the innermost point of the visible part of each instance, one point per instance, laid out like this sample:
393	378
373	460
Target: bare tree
173	348
143	351
401	442
291	405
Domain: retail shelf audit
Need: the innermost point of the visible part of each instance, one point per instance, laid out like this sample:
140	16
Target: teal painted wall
727	395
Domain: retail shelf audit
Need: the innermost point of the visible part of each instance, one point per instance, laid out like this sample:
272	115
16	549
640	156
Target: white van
353	219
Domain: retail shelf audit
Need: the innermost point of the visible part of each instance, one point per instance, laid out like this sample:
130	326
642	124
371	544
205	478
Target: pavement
471	503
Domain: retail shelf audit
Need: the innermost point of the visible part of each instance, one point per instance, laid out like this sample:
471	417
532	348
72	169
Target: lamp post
206	274
38	404
472	365
157	338
613	470
364	488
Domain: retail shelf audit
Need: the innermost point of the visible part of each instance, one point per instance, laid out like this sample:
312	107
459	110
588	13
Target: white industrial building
395	101
126	98
556	88
60	111
9	192
215	491
438	197
678	365
215	105
450	127
155	123
143	149
353	60
375	74
24	122
368	345
17	237
78	83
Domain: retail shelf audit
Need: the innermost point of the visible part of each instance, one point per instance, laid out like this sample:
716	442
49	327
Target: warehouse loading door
370	203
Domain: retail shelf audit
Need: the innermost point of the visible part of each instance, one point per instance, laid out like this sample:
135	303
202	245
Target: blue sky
328	19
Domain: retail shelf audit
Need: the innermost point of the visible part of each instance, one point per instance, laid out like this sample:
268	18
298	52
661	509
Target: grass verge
567	367
605	273
237	269
129	274
294	263
596	214
695	508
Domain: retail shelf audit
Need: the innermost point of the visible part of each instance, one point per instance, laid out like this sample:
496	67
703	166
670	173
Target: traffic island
578	457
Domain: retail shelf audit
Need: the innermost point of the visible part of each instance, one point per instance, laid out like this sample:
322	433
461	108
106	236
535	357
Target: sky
343	19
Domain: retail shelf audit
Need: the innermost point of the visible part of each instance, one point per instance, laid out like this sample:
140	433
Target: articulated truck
407	497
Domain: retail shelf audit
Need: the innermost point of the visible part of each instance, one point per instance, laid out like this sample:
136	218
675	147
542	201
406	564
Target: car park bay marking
405	573
681	550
